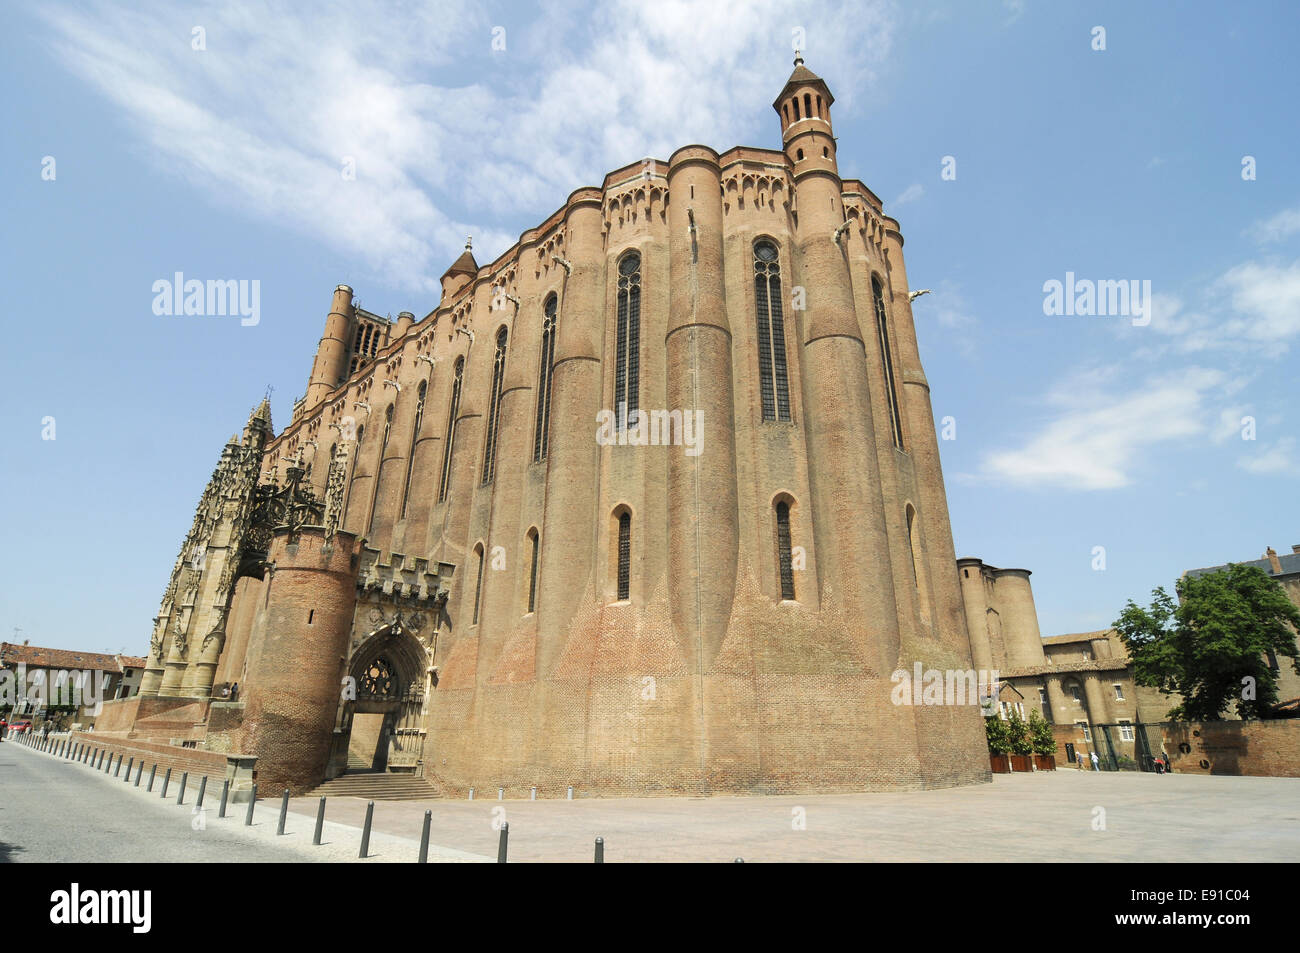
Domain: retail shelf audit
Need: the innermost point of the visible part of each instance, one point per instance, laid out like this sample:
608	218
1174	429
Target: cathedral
650	504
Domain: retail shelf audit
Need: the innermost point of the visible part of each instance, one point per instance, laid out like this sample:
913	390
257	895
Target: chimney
1273	562
27	641
1295	548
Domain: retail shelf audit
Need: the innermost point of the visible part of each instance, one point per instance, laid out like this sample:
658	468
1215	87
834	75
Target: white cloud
1282	225
910	194
1253	308
264	116
1278	458
1103	426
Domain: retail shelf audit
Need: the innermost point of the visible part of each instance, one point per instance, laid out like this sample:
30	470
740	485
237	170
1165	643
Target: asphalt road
54	811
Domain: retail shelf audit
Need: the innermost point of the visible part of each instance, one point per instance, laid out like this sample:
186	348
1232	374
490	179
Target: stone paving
1047	816
56	811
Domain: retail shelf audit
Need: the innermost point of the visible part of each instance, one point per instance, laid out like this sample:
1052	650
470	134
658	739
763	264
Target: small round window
629	264
765	251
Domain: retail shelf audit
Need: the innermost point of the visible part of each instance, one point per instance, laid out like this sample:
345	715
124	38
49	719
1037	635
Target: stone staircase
379	786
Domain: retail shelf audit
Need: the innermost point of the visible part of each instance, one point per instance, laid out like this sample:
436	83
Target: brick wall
1256	748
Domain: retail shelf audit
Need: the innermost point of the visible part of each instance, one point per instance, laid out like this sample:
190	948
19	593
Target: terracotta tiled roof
1077	637
37	656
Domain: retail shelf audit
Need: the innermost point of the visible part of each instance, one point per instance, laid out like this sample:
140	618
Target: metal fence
1119	747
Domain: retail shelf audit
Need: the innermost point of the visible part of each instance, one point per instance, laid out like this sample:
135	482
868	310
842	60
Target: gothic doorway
382	728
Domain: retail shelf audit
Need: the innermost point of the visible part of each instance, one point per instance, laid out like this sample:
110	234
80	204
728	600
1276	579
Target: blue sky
1072	432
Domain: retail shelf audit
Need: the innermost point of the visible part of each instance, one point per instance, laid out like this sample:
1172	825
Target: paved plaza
52	810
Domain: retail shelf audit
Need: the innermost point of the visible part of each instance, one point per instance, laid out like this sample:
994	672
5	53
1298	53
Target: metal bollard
600	850
533	796
501	794
109	767
180	798
471	794
248	818
117	772
740	860
365	831
139	772
152	771
225	793
284	811
166	780
503	842
129	765
320	822
203	786
424	838
570	792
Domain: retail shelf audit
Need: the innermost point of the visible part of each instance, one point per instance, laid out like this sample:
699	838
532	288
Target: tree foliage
1041	736
999	739
1213	646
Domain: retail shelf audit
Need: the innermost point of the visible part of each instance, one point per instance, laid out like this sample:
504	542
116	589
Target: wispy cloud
1279	457
1253	308
1282	225
266	116
910	194
1103	426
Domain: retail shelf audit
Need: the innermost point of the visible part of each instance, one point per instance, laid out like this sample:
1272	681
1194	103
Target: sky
303	146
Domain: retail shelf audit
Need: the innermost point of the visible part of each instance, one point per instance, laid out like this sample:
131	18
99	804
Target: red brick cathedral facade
651	503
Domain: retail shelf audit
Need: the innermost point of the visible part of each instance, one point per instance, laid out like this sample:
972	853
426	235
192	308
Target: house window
773	379
1074	693
1119	693
627	362
1087	732
1125	730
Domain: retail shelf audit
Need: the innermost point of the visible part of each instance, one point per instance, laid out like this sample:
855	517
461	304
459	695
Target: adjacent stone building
650	503
48	682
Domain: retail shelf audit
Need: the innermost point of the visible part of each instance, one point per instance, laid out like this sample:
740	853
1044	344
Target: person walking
1096	762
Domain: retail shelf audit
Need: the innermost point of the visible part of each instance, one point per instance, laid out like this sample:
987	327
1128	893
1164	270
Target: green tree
999	739
1041	736
1018	732
1213	646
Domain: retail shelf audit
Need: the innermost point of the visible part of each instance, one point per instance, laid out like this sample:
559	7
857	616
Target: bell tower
805	110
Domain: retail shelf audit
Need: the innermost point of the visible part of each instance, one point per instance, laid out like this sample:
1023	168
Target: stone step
379	786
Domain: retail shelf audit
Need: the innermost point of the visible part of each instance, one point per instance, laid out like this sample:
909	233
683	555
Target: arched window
796	108
627	363
882	327
807	105
542	429
918	566
415	435
478	581
624	555
458	378
773	382
347	507
494	409
784	554
532	572
383	449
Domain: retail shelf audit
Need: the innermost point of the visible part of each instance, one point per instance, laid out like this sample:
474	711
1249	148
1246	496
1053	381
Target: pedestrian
234	692
225	691
1096	762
